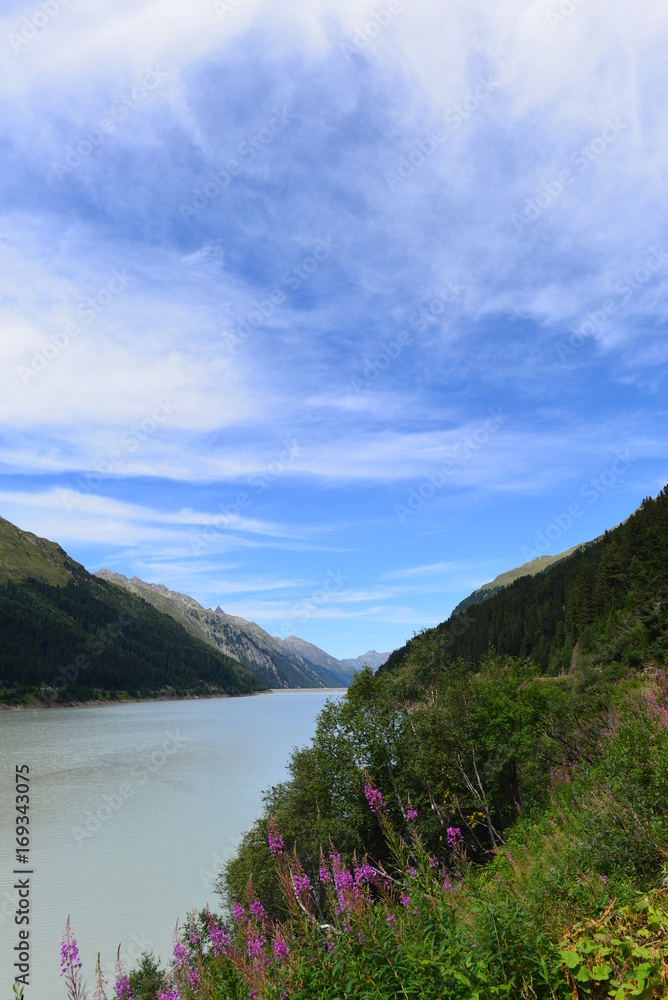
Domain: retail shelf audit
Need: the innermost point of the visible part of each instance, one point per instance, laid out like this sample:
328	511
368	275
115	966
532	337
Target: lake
134	808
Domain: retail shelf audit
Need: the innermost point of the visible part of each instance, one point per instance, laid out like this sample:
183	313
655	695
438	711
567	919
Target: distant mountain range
279	664
52	611
67	636
371	659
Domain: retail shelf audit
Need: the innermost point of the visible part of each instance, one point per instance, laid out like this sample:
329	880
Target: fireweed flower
375	799
182	964
181	955
255	945
364	874
454	835
302	885
411	814
219	940
343	882
258	910
123	988
391	919
168	995
405	901
238	912
276	845
69	952
281	950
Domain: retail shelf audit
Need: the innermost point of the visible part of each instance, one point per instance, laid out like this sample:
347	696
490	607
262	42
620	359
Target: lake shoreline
47	706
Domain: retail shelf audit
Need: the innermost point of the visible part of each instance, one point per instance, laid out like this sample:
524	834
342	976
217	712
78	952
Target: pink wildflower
375	799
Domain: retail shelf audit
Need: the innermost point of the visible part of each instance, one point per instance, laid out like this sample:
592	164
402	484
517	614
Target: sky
328	313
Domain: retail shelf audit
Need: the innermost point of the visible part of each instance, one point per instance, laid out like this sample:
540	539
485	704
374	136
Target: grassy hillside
505	579
24	555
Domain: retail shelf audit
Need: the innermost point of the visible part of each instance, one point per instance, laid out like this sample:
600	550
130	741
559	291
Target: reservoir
133	810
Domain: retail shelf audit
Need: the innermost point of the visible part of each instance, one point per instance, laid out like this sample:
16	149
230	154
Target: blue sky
329	312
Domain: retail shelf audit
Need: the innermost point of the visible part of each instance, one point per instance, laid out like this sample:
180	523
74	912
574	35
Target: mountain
24	555
604	602
370	659
505	579
276	663
327	664
66	635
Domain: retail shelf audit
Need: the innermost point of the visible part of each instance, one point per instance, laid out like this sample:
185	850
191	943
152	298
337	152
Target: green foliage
623	953
147	979
553	915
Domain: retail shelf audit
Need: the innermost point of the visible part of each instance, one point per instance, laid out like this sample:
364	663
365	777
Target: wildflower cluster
375	799
70	966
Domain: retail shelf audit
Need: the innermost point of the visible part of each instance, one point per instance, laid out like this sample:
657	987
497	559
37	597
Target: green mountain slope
24	555
275	663
69	636
603	599
505	579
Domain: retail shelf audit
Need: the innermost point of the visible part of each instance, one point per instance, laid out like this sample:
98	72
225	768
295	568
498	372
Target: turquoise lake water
134	809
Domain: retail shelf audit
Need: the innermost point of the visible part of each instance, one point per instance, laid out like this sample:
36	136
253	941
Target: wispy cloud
493	150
